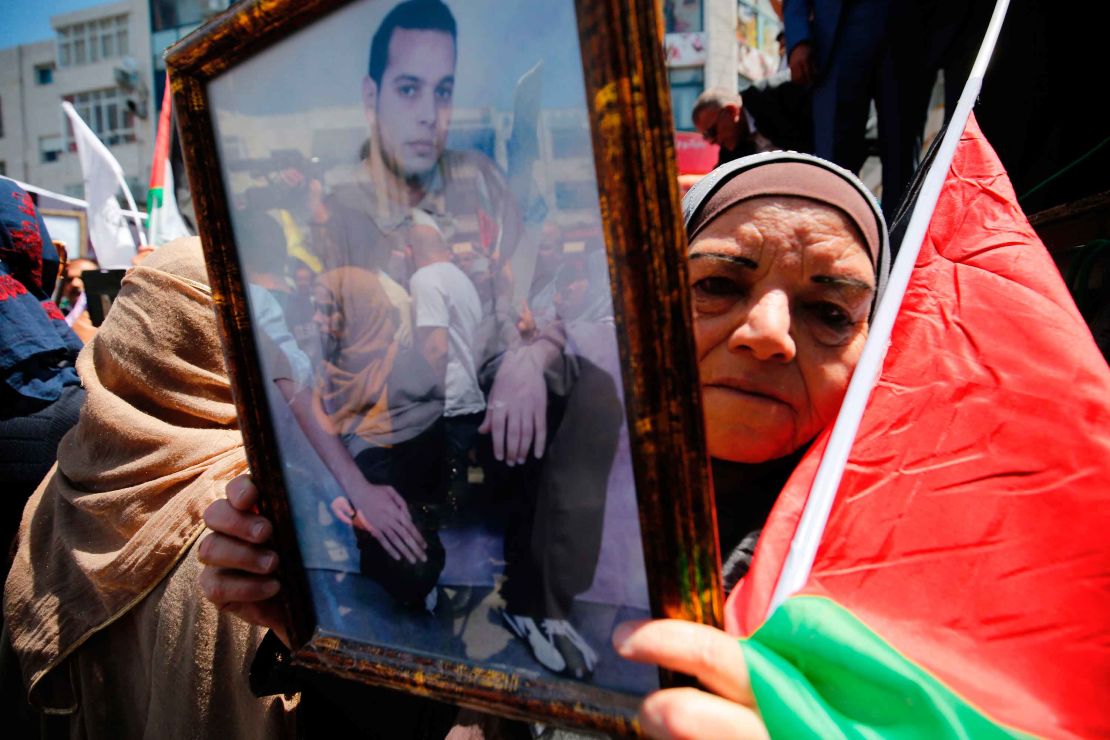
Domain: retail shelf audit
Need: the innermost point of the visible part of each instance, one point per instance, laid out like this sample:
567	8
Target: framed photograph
447	253
69	226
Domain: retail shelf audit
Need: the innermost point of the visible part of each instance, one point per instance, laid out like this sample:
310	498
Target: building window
682	16
44	74
85	43
106	113
686	86
1	118
50	148
3	168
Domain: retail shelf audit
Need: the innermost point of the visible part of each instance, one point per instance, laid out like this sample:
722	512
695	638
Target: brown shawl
155	444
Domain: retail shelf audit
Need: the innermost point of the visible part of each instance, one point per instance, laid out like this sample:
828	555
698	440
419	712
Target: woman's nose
765	330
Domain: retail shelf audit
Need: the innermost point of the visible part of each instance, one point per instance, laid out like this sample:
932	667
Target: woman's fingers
222	586
242	493
227	552
689	714
712	656
222	517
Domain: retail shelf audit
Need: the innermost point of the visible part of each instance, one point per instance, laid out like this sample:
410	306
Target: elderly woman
788	254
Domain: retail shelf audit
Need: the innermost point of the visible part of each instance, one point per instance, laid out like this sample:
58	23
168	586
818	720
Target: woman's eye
832	316
716	295
716	287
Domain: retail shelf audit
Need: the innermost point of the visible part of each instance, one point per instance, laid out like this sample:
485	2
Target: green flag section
817	671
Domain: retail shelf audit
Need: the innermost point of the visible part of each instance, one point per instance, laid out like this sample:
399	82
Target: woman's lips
746	389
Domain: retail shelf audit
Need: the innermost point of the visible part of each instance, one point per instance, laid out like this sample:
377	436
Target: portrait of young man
429	231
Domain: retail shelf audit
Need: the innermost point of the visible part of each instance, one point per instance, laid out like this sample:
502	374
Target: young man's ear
369	94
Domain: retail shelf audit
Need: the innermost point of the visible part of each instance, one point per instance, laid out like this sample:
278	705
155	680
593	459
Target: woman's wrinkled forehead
784	229
779	176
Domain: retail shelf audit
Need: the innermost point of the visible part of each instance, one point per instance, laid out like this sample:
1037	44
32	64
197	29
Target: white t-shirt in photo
443	296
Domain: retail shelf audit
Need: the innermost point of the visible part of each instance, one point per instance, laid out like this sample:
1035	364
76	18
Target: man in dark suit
852	52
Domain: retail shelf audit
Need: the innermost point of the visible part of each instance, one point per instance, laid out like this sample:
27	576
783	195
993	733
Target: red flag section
971	531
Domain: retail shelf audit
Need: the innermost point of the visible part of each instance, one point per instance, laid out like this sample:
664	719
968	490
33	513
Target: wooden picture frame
75	233
616	142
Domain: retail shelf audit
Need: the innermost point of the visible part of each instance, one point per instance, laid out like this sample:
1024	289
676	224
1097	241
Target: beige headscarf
156	442
352	382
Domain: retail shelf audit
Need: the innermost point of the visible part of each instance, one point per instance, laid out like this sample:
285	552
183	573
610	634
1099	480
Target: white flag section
108	230
166	223
815	515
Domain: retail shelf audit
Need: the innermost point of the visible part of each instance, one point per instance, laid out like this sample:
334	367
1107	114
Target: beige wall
32	111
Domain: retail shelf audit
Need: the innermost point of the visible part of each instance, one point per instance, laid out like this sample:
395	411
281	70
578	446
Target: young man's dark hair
414	15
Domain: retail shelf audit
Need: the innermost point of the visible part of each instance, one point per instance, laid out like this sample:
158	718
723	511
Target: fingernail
269	560
258	529
621	635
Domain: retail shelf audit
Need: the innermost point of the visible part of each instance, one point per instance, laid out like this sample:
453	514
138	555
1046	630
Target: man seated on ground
447	313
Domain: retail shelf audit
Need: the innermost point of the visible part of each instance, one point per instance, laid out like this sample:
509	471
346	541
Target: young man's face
412	106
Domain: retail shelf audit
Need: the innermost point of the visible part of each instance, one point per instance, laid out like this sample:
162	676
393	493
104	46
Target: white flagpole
815	516
136	217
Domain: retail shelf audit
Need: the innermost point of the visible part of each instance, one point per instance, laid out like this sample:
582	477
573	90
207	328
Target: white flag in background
108	230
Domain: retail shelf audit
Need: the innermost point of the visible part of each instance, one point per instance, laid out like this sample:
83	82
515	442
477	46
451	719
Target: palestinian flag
960	586
164	222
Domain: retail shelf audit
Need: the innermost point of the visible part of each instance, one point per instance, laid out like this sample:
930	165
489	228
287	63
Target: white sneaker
579	656
542	648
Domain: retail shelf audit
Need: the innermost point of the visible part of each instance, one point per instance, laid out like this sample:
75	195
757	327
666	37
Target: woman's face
782	288
327	315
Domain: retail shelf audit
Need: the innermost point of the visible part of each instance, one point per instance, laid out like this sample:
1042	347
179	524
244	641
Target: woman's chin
749	448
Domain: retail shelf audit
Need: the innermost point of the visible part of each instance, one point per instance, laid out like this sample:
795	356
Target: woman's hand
382	512
238	573
715	658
